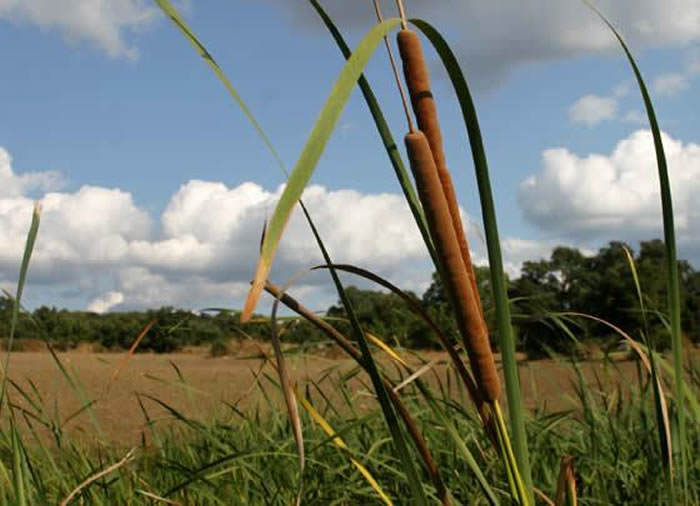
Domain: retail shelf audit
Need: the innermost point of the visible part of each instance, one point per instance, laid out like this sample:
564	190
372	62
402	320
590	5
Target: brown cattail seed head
423	102
458	285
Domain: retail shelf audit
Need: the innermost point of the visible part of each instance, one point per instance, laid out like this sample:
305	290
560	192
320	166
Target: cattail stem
395	70
418	83
460	290
402	14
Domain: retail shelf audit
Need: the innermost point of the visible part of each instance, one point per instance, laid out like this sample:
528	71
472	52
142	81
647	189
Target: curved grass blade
385	134
24	267
131	352
414	481
460	444
18	454
674	297
452	352
104	472
322	130
338	441
386	348
170	11
659	400
498	280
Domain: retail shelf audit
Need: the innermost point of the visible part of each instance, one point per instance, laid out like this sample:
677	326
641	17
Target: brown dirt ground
209	381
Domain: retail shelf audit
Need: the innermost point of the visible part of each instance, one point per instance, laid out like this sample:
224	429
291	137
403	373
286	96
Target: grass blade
170	11
385	134
380	389
18	468
24	267
498	280
315	144
660	406
338	441
674	297
288	391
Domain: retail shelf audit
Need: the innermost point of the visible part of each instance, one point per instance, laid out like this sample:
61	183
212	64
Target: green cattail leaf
310	155
387	139
674	297
498	281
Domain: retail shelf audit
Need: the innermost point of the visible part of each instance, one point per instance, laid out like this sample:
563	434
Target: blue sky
155	186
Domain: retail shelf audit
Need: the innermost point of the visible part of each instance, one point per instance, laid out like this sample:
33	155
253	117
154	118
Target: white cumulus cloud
671	83
98	249
105	302
13	185
592	109
97	242
105	23
615	195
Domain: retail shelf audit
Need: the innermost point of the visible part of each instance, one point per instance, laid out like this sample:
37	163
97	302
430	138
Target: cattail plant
437	196
436	191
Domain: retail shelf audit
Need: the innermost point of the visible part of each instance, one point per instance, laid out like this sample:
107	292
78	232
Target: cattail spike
460	290
418	83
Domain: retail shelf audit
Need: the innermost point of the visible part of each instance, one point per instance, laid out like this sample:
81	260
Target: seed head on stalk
423	102
470	321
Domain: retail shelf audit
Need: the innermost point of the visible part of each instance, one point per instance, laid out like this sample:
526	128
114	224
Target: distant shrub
220	348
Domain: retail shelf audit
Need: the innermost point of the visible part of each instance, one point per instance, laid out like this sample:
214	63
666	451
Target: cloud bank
491	38
615	195
203	248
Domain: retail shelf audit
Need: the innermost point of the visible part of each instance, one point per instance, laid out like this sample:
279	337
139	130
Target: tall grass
427	442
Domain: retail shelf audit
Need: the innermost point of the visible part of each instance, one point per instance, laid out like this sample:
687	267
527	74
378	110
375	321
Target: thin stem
394	68
523	496
402	14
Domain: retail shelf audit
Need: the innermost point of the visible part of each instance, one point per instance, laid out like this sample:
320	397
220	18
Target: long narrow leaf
24	267
338	441
380	389
310	155
661	409
674	297
385	134
288	390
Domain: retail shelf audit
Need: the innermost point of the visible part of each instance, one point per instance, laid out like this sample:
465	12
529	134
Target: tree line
544	299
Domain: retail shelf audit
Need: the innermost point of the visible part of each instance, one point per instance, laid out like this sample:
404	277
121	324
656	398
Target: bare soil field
200	386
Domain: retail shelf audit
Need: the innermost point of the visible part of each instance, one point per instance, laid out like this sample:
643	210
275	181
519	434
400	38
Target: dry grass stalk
127	458
460	289
566	485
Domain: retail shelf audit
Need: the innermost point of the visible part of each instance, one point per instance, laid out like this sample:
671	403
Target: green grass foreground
250	457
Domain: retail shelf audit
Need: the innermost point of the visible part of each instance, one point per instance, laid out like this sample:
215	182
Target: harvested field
199	386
